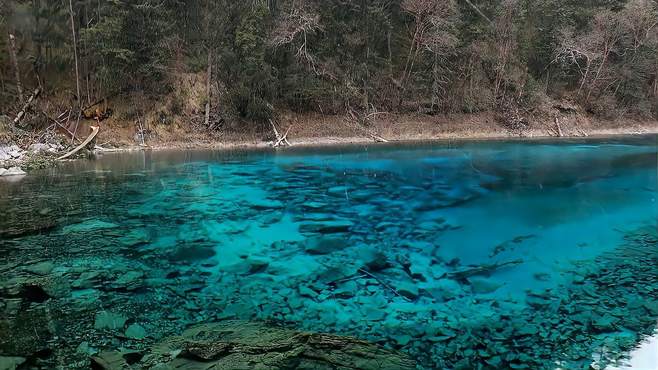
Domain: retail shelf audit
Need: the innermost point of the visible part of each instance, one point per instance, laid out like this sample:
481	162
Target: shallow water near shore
497	254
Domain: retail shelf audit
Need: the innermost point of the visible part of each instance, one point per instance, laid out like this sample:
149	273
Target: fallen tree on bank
88	140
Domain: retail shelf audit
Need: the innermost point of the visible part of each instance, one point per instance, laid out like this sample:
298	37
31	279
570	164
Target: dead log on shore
359	123
94	132
557	124
23	111
57	124
281	140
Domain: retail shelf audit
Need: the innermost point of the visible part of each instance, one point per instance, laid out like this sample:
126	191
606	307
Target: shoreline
328	131
331	141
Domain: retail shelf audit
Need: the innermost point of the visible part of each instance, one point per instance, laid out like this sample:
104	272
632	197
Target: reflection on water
490	255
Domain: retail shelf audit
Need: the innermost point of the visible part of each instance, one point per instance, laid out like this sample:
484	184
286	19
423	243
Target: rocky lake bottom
473	255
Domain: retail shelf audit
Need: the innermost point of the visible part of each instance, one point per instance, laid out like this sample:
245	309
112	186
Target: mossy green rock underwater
480	255
234	345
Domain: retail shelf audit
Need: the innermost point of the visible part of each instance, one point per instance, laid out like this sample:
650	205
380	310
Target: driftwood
23	111
557	125
281	140
360	121
94	132
141	131
582	132
485	269
254	345
58	124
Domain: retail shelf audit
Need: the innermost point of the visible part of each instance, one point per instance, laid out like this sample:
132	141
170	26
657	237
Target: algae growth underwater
465	255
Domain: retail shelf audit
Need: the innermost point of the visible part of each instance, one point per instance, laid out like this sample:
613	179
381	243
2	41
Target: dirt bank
315	129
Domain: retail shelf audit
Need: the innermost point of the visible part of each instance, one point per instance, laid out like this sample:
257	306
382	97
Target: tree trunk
390	52
435	83
606	53
585	76
14	61
208	87
75	54
480	13
23	111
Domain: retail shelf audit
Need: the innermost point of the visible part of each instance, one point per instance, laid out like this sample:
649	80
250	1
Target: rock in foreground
254	345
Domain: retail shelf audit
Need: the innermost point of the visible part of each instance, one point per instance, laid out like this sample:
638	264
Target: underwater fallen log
254	345
380	282
485	269
510	244
94	132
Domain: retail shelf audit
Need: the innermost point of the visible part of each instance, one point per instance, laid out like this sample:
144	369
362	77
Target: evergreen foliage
429	56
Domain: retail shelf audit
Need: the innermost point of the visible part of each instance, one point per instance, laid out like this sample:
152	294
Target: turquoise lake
465	255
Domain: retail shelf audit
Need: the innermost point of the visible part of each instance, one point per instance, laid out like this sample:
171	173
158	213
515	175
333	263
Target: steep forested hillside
244	62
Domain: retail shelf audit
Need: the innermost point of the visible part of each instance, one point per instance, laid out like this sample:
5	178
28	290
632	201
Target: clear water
465	255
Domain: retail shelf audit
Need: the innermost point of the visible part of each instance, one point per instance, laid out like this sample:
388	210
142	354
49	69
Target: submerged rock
327	227
135	238
42	268
192	253
86	349
89	225
373	259
483	285
11	363
253	345
324	245
257	265
305	291
136	331
131	280
13	171
408	290
266	204
109	320
34	293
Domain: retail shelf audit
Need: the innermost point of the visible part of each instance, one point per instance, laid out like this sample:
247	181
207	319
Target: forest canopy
329	56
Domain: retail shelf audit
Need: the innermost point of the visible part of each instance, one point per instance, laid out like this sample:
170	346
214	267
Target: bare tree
505	43
75	53
591	51
208	41
208	87
14	62
622	34
431	33
605	35
640	19
294	28
5	13
77	73
571	52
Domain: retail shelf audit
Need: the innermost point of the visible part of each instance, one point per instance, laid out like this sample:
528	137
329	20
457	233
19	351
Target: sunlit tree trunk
14	62
208	87
75	54
77	73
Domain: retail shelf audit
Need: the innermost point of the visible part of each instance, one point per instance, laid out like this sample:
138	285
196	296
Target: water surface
499	254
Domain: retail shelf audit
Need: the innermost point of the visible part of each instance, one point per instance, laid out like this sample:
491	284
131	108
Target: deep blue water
497	254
